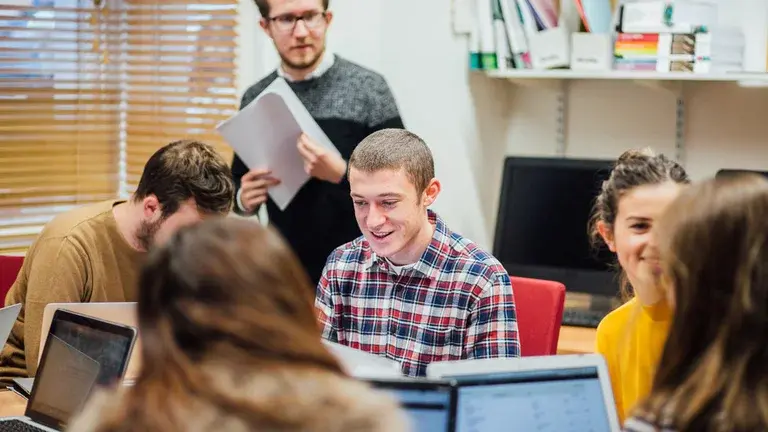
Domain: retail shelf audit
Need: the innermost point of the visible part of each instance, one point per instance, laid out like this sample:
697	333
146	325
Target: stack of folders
534	34
676	36
504	30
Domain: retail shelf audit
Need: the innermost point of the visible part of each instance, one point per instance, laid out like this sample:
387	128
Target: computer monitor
726	172
542	224
428	403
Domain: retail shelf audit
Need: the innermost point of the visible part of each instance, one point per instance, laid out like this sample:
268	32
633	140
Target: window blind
180	74
89	89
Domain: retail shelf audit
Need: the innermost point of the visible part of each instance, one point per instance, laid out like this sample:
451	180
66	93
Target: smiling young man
409	288
93	253
347	101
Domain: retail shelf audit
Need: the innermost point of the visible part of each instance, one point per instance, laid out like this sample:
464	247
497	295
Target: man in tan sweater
94	253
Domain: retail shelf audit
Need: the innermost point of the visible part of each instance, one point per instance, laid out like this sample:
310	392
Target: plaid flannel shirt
455	303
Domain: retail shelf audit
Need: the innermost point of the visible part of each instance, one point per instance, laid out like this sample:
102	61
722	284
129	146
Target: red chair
9	269
539	305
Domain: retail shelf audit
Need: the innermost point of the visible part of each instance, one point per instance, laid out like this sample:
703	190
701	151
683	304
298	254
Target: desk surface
11	404
576	340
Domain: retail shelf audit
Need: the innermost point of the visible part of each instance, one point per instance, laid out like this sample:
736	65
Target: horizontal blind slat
87	96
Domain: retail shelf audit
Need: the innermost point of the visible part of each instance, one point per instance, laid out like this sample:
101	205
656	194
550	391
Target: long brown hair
713	373
224	291
633	169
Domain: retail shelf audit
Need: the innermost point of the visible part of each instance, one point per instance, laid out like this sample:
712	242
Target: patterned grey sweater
349	102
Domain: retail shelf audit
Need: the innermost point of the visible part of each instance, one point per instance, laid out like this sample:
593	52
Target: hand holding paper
265	136
319	162
254	188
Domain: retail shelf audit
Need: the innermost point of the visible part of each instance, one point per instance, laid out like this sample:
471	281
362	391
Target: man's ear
431	192
265	26
328	18
607	234
151	208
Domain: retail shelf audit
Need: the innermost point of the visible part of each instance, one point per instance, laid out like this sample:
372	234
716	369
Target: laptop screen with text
541	400
428	405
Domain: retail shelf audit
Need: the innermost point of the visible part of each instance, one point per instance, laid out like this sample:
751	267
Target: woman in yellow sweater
631	337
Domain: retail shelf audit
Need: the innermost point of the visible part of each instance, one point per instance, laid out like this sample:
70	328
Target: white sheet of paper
265	134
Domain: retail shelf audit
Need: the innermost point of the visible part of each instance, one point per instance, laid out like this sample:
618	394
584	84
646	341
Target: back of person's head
184	170
223	293
714	247
633	170
395	149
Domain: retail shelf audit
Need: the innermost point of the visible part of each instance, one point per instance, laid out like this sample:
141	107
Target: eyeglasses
287	23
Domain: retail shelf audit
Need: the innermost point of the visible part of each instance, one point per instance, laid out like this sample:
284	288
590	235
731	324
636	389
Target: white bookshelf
675	83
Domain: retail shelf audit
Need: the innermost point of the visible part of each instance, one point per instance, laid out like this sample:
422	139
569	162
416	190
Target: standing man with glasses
348	101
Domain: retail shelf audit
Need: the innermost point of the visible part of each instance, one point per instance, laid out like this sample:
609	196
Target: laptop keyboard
583	317
18	426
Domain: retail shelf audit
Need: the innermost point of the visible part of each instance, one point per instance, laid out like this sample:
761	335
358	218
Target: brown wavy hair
712	375
228	291
634	168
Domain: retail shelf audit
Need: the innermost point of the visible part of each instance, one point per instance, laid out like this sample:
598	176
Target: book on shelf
513	35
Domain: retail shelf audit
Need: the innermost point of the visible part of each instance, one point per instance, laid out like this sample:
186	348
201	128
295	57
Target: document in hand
264	134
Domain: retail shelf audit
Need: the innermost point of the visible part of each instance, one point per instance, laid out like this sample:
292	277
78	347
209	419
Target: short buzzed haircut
393	149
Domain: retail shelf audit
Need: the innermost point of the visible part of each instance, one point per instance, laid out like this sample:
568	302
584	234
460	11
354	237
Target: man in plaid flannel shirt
410	289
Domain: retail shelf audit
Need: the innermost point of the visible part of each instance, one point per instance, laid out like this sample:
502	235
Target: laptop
116	312
8	316
81	353
428	403
361	364
570	392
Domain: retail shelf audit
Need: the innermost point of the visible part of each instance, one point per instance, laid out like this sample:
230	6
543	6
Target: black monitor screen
727	172
542	232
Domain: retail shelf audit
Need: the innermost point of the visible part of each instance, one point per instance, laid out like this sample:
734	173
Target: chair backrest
9	269
539	305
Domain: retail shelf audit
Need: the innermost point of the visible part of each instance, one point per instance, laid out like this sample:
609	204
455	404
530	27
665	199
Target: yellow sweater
80	256
631	338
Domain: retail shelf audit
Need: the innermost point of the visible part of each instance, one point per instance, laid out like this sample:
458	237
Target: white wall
471	122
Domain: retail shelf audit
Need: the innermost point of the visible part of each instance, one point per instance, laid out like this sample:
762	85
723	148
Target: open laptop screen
102	344
541	400
80	352
65	383
428	404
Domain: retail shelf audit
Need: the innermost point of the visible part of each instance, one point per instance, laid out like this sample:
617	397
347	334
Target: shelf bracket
680	130
561	119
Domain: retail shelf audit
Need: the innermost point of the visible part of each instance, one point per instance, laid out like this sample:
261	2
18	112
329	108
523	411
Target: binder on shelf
518	43
488	60
549	36
504	58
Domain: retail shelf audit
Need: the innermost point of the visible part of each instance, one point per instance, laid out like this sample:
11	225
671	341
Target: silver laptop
81	353
362	364
116	312
8	316
569	392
